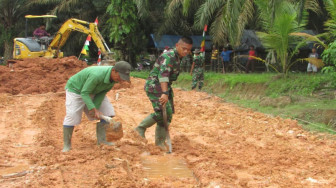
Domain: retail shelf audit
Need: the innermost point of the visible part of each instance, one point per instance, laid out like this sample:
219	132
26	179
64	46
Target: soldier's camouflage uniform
198	72
165	69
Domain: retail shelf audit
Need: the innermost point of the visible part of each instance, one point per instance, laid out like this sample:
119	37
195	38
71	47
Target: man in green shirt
86	91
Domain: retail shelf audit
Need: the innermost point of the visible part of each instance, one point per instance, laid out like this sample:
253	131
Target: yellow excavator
30	47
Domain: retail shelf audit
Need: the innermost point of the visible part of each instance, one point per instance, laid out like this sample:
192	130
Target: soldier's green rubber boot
160	137
146	123
101	134
67	134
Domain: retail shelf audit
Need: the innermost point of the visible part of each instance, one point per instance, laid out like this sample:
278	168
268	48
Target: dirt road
221	144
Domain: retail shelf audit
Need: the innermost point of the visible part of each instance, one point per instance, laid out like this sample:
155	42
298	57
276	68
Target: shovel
165	123
114	130
107	119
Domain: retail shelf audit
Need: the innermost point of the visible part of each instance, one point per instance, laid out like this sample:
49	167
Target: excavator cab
29	47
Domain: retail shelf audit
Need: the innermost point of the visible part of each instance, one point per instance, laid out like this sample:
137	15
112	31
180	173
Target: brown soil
223	145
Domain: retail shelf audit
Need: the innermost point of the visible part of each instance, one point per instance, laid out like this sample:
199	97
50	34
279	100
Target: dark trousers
214	65
250	66
226	66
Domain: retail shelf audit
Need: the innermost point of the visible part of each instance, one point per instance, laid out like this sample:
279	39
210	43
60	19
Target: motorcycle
145	64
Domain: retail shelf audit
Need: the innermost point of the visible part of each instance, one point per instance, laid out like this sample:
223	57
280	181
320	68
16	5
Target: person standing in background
251	61
214	59
197	70
311	68
225	55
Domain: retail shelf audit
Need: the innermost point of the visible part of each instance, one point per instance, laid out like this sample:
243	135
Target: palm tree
330	24
328	55
227	19
150	14
11	12
278	28
179	17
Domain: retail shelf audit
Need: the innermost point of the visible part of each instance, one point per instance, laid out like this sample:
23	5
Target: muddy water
165	166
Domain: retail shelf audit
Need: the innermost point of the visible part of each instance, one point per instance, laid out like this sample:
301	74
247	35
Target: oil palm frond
143	10
206	12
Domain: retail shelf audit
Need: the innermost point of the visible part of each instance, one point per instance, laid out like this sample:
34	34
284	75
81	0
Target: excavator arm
81	26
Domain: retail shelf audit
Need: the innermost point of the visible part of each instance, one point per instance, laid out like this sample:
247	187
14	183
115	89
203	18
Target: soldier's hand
163	99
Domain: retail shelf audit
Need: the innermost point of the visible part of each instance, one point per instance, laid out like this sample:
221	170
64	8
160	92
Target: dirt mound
39	75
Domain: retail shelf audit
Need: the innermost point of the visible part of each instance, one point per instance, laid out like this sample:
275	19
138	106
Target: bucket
114	131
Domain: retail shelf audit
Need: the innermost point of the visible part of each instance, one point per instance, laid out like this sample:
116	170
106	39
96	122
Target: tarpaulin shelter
249	38
170	40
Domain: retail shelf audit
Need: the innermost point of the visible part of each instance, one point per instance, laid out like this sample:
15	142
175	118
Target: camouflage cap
124	69
197	51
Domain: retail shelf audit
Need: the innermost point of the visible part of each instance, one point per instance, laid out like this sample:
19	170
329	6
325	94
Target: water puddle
165	166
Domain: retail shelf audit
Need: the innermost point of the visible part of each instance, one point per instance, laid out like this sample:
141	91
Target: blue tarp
170	41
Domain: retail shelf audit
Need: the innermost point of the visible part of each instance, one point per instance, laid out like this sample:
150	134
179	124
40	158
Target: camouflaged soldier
197	70
158	89
186	63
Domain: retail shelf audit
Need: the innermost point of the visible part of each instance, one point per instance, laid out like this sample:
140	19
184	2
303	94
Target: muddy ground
223	145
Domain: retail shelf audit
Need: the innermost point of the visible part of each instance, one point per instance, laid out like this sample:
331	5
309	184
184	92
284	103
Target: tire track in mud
18	140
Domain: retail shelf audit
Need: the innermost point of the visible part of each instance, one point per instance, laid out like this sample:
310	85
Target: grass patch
140	74
229	79
299	84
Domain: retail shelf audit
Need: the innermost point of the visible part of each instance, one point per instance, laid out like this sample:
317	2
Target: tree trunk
8	54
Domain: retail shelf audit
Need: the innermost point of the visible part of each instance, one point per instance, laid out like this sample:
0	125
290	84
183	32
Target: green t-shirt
93	80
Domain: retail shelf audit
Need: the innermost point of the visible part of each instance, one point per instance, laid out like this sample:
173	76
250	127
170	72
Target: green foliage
140	74
237	13
329	54
331	23
227	19
329	57
124	28
179	17
277	35
11	12
123	19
